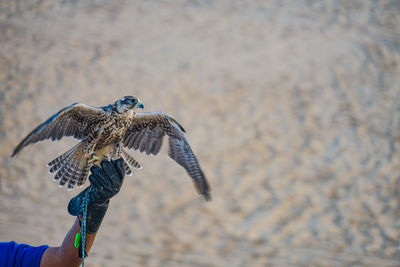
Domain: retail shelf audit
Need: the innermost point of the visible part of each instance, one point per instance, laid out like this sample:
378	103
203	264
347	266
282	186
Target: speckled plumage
105	131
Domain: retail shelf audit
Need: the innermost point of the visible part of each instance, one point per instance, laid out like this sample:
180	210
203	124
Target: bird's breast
114	131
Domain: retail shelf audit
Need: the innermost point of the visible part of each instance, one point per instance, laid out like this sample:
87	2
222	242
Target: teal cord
83	227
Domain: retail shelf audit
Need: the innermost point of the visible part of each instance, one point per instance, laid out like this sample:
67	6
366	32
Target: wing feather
146	134
180	151
137	140
148	129
73	120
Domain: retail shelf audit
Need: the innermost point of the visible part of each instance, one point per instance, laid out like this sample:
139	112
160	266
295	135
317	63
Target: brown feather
146	134
69	121
130	160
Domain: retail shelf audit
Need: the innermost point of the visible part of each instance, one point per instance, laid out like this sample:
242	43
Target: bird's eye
134	101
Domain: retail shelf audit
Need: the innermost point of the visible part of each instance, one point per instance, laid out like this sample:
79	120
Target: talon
94	158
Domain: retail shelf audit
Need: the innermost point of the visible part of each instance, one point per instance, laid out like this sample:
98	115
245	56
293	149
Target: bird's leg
94	136
118	151
94	158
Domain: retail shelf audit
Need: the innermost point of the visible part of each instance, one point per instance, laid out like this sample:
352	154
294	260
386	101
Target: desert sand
292	108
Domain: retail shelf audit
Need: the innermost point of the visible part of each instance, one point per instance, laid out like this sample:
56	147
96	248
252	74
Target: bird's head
127	103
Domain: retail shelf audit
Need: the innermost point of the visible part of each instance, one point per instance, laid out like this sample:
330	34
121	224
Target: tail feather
128	170
61	158
83	175
72	181
68	172
130	160
60	164
63	179
72	167
59	174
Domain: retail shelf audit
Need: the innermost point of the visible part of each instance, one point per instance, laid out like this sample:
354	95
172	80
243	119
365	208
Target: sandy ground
292	108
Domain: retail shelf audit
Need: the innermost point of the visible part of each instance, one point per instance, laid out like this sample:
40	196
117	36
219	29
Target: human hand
105	182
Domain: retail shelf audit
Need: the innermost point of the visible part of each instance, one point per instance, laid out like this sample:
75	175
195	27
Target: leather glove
105	182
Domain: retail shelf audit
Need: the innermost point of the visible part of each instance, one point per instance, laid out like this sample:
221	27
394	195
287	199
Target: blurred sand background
292	108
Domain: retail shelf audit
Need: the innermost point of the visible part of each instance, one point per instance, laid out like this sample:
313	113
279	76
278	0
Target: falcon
106	132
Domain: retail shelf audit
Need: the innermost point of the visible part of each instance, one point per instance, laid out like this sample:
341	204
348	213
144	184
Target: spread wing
146	135
73	120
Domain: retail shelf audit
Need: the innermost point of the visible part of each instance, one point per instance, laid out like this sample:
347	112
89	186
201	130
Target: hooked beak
139	104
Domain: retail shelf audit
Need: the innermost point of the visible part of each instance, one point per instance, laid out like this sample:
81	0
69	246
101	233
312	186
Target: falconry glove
105	183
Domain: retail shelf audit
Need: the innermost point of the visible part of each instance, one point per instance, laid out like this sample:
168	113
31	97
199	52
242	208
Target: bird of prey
105	132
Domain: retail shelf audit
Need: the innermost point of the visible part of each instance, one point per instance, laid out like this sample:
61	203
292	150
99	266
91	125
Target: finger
94	180
110	172
119	167
99	177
